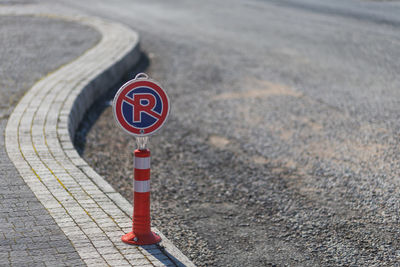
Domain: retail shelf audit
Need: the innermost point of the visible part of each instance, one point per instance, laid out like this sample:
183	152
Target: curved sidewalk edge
38	141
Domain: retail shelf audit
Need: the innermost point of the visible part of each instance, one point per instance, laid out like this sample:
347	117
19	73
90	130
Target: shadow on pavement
165	257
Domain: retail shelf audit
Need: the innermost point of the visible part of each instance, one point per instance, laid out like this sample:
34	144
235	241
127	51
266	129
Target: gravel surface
282	143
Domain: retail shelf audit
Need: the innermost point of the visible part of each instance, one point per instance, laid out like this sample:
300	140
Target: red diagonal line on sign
150	112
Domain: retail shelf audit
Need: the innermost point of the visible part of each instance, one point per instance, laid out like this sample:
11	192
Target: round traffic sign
141	107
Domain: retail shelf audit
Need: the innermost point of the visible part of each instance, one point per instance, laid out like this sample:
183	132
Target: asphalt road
282	144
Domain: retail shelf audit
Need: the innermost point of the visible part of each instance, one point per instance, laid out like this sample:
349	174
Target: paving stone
64	249
54	107
23	230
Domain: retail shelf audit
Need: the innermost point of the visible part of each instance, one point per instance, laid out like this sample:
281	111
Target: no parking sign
141	106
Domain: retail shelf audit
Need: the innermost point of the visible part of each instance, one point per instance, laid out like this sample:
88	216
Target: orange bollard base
147	239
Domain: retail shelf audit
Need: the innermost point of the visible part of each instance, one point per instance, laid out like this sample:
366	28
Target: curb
38	141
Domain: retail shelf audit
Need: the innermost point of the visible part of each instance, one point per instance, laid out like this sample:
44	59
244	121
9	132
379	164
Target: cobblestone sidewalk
28	234
90	213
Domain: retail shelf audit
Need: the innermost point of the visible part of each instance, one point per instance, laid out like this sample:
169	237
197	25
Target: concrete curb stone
38	141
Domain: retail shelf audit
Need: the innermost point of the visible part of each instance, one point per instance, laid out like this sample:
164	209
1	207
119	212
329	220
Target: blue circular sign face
140	107
148	107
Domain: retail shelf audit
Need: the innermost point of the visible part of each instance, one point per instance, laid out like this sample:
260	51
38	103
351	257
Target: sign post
140	108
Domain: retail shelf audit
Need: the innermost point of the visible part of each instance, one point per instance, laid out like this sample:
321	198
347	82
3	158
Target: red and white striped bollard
141	232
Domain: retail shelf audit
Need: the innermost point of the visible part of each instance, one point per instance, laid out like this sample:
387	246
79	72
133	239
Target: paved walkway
28	234
80	218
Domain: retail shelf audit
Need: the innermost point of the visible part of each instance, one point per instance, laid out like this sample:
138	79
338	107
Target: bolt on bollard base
141	233
131	238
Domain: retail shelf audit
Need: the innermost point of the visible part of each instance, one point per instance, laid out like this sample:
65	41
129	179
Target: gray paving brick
5	248
64	103
24	223
57	263
96	262
73	262
65	249
28	263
